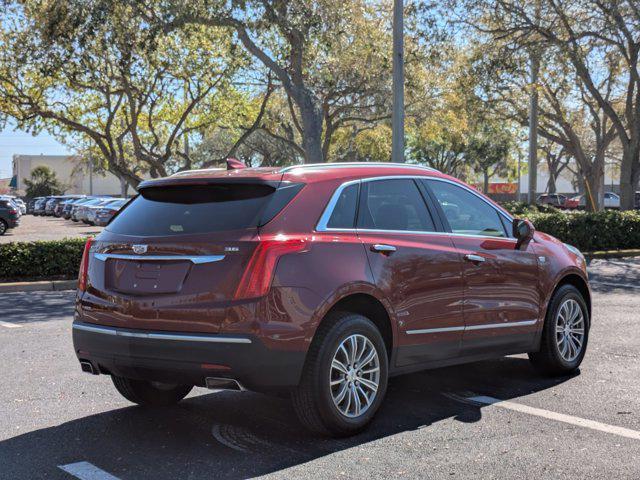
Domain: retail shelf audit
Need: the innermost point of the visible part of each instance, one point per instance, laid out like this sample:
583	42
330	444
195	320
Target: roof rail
355	165
199	170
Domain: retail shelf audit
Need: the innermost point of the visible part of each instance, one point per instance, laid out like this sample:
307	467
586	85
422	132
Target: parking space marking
9	325
86	471
560	417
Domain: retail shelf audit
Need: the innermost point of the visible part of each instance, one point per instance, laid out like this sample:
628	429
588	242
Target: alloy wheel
570	330
354	376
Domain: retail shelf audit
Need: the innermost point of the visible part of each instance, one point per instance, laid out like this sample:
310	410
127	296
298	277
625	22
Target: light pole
397	135
533	117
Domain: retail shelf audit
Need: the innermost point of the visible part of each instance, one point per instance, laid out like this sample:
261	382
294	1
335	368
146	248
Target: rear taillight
13	211
84	266
257	277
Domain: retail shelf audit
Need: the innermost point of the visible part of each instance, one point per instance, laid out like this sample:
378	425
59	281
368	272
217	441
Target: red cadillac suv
321	281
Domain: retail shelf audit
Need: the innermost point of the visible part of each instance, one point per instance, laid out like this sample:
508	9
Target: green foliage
588	231
33	260
43	182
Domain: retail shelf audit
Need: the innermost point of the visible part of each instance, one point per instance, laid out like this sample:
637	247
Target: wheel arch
372	308
580	284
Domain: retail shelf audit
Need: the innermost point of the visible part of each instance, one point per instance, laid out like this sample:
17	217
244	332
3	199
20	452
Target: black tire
150	394
3	227
548	360
312	400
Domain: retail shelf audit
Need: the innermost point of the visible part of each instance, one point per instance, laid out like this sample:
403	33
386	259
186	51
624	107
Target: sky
15	141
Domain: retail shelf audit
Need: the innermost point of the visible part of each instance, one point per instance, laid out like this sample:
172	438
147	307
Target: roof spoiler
235	164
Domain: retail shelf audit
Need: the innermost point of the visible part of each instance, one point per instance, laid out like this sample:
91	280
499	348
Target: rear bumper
186	358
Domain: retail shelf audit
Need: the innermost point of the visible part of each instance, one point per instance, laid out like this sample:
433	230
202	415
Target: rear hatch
173	257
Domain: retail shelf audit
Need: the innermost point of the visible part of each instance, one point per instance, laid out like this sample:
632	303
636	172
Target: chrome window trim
195	259
159	335
523	323
328	211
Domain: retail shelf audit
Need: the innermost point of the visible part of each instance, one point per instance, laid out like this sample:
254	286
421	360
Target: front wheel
565	333
345	376
148	393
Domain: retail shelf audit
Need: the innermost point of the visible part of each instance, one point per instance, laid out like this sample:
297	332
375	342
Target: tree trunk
629	173
311	116
551	183
485	186
594	188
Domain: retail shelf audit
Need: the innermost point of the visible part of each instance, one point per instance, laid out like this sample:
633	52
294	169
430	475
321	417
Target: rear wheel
148	393
345	376
3	227
565	333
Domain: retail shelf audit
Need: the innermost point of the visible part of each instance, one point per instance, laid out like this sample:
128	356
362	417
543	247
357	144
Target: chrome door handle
474	258
382	248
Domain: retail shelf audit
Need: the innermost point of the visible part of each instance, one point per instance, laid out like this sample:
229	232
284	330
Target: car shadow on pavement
240	434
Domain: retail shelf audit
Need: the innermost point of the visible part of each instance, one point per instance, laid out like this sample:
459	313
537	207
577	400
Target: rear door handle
474	258
382	248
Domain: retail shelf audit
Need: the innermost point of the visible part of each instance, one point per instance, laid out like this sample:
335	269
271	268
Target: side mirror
523	232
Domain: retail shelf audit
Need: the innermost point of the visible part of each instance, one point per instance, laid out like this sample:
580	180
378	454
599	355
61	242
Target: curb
42	286
612	254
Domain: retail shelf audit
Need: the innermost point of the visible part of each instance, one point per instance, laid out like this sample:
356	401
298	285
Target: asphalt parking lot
436	424
47	228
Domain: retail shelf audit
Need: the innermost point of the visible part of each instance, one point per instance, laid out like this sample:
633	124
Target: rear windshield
179	210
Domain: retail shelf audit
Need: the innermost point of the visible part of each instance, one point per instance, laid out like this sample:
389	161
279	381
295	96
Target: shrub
607	230
33	260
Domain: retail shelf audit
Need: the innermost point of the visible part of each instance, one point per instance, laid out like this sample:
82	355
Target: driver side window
466	213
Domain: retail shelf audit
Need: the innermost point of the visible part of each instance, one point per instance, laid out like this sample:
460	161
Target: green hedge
48	259
607	230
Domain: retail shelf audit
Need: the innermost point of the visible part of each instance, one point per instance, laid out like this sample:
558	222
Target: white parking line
86	471
9	325
560	417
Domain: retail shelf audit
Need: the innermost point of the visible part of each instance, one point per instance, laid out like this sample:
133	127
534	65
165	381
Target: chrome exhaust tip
220	383
87	367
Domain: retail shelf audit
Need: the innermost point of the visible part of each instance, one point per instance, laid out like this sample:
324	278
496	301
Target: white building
75	176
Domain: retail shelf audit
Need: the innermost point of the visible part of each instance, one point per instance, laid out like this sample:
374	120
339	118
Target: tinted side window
344	213
465	212
394	205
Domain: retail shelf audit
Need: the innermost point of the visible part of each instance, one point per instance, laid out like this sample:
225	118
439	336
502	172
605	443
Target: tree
331	59
42	183
593	37
95	72
557	160
568	114
488	151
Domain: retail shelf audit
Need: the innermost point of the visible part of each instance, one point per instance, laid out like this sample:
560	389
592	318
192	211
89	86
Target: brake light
257	277
84	266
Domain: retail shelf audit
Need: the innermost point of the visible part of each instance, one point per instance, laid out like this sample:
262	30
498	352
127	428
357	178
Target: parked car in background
31	204
20	203
611	200
575	202
552	199
320	281
69	204
51	204
39	206
79	212
9	215
106	212
58	209
91	210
